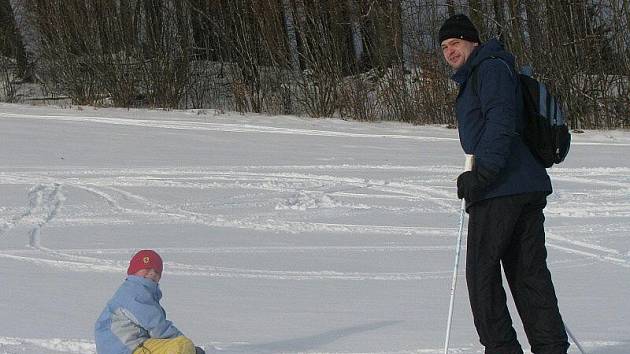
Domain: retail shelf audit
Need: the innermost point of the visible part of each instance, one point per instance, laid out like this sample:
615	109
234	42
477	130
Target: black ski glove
472	184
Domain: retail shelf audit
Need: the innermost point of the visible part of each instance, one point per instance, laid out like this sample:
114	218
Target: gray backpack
546	132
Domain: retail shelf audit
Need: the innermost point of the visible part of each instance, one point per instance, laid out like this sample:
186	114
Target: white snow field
280	234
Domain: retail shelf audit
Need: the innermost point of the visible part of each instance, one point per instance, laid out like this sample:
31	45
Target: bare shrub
357	99
361	59
131	49
8	90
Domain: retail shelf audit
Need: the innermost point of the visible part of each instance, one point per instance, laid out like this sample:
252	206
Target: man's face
456	51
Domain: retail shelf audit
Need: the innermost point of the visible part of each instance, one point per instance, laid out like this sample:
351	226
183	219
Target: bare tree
289	23
364	59
11	44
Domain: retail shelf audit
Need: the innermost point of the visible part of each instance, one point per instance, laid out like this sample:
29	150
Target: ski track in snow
10	345
302	191
242	128
14	345
291	199
207	126
108	187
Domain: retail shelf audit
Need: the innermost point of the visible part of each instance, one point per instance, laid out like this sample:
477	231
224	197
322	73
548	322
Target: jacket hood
151	286
492	48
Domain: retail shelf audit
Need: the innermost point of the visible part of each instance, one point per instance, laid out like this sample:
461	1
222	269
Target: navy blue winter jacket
490	123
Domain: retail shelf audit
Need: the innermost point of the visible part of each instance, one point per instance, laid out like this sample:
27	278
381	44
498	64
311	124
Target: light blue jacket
132	316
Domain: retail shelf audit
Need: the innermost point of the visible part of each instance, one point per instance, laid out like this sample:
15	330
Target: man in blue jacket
505	193
133	320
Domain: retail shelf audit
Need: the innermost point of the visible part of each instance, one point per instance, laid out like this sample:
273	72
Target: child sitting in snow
133	320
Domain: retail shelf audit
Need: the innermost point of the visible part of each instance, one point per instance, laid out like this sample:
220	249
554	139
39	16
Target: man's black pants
509	230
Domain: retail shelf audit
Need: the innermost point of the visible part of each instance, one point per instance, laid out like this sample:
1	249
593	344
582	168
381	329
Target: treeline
361	59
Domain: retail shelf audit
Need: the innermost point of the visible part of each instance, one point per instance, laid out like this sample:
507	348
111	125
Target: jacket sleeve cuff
485	175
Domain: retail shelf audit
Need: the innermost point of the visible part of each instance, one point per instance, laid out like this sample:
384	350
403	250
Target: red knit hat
145	259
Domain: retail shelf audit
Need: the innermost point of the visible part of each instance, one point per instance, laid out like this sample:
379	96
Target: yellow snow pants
177	345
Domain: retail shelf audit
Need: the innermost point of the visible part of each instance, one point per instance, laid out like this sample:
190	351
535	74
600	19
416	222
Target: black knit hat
459	26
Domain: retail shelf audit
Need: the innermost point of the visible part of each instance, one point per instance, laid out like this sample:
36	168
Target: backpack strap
474	76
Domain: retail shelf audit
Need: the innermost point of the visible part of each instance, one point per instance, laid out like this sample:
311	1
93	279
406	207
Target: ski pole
467	167
577	344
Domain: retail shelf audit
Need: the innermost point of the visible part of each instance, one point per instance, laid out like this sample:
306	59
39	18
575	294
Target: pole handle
469	163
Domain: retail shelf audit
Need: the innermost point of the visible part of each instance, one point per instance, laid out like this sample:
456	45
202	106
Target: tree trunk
450	4
357	34
14	46
407	34
499	16
534	29
476	16
515	28
289	24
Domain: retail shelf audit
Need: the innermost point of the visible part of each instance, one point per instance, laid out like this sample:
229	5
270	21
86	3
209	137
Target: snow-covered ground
280	234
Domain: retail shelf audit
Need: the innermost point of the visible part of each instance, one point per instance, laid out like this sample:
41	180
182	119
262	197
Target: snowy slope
280	234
